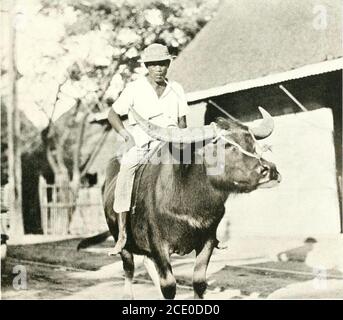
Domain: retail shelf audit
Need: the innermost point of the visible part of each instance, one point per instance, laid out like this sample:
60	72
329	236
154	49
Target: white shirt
163	111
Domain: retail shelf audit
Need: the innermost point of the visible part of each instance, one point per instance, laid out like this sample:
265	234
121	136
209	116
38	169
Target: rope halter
223	134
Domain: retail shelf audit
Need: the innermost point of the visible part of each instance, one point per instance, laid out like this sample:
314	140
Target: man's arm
118	126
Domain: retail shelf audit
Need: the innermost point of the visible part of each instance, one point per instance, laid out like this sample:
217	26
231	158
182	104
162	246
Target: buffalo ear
223	123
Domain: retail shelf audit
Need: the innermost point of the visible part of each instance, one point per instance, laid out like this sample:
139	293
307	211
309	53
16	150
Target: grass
62	253
42	283
52	283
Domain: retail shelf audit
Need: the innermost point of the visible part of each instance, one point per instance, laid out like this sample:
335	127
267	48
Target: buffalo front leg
129	269
167	282
150	267
203	256
167	279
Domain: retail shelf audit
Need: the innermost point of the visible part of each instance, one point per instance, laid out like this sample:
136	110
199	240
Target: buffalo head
227	148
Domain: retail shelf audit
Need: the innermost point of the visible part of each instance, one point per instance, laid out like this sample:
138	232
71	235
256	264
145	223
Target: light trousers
126	176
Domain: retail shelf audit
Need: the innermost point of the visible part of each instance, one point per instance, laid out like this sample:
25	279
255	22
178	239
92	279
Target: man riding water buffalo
175	207
156	98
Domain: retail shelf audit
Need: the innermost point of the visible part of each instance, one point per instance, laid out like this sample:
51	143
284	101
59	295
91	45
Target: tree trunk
65	196
14	148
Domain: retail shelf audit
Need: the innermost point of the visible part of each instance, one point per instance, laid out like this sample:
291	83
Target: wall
307	148
306	201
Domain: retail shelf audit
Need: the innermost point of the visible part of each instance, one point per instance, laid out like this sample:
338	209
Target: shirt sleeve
183	105
125	100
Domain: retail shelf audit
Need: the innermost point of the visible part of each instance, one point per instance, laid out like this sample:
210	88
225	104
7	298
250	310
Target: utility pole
14	148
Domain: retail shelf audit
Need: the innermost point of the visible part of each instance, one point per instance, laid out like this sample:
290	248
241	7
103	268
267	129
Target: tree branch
60	151
52	162
114	68
60	85
97	147
78	145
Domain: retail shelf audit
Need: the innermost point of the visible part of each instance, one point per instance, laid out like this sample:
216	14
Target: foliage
96	51
74	58
103	40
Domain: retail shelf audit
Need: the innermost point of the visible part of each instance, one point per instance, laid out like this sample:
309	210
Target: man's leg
122	237
123	192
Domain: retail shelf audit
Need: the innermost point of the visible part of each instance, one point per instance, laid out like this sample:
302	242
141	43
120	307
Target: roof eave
304	71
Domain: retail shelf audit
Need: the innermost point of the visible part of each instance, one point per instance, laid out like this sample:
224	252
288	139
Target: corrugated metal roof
305	71
251	39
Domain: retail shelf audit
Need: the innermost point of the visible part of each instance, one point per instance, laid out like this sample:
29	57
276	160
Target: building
239	60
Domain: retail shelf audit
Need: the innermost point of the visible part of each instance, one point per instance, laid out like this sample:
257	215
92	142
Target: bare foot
118	247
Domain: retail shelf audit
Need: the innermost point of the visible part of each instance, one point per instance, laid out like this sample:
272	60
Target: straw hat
155	52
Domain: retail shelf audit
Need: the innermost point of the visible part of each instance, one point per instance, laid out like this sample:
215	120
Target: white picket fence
58	217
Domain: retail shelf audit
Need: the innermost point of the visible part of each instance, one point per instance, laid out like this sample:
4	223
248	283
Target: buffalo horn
175	134
265	128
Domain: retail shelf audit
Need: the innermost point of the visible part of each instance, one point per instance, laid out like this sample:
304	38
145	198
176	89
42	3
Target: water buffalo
178	206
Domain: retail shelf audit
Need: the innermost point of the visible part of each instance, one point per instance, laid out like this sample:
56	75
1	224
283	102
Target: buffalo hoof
222	245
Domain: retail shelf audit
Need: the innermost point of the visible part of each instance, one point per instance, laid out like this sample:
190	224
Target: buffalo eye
231	147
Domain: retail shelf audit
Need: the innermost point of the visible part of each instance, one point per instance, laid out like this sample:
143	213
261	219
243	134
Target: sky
31	56
42	62
43	56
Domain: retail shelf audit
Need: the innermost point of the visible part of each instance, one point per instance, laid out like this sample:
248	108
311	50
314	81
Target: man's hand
118	126
128	138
